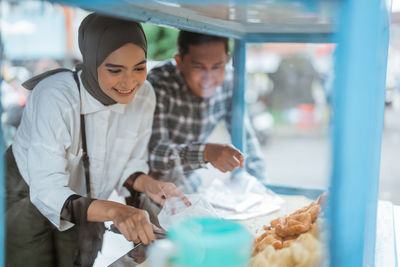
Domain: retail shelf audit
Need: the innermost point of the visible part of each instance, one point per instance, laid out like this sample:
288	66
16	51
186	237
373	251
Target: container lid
211	242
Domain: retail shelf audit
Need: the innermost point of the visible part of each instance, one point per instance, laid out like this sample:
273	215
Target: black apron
31	239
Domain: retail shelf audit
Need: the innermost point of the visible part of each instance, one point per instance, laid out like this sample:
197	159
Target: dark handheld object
158	233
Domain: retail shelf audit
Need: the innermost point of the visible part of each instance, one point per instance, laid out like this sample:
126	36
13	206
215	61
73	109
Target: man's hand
223	157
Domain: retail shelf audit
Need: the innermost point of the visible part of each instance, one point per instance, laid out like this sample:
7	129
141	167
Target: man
193	96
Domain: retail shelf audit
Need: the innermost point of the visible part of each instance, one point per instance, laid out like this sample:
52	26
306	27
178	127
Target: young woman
56	206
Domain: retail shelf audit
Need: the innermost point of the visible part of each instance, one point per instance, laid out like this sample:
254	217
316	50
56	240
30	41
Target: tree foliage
161	41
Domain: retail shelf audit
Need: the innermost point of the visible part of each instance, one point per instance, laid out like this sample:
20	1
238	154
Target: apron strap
85	157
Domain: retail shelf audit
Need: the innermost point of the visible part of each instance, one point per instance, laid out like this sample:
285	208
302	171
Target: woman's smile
124	92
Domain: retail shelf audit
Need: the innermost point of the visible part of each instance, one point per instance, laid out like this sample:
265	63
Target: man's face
203	67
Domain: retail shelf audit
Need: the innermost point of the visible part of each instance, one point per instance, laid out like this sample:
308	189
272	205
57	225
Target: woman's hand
133	223
158	191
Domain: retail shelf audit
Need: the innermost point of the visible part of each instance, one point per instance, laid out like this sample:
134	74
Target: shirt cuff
133	166
133	199
131	180
195	155
75	209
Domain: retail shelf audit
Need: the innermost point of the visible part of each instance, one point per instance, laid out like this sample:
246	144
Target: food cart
362	229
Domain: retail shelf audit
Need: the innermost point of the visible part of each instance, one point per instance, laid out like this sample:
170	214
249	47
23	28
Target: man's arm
164	153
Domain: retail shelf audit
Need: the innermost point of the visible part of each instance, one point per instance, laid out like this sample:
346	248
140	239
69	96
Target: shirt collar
91	105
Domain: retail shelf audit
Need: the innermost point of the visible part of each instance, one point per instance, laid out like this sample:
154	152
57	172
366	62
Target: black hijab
99	36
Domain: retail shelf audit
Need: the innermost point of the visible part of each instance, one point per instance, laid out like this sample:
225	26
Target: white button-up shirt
48	145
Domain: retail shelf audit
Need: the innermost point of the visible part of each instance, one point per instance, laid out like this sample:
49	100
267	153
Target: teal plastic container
210	242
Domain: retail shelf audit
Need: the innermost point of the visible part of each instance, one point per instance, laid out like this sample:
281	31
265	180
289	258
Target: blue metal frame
2	183
149	16
358	121
201	24
311	193
289	38
238	102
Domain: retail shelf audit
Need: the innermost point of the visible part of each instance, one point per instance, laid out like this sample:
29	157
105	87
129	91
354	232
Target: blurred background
288	89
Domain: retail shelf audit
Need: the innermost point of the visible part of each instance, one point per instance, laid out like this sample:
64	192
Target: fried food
293	225
283	231
304	250
266	239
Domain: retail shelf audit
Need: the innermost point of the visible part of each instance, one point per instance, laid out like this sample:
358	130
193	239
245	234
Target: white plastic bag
241	197
175	210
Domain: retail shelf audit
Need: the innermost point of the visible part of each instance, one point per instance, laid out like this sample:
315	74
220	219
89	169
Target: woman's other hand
158	191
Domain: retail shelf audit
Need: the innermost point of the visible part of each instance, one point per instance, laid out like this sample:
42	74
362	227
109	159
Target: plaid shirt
183	121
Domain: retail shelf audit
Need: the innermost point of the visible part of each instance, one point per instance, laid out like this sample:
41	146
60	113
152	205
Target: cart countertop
386	236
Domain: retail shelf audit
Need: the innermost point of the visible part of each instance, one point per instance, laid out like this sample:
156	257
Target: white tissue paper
175	210
241	197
